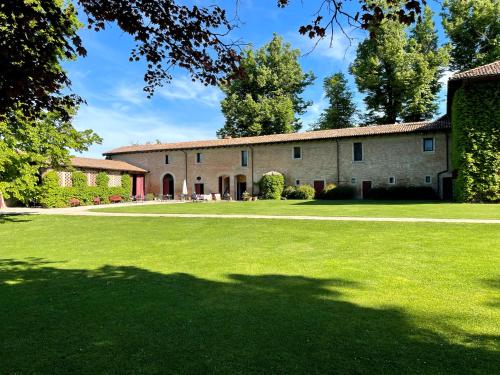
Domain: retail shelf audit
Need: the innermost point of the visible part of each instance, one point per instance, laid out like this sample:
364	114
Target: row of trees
398	73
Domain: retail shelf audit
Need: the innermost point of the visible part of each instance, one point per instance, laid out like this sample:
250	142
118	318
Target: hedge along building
406	154
113	168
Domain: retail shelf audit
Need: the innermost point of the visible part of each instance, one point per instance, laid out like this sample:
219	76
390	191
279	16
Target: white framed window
357	151
297	182
392	180
428	179
199	157
353	180
297	152
428	144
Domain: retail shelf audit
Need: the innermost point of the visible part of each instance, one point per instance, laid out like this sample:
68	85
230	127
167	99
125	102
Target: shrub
338	192
51	194
271	185
102	180
126	187
402	193
149	196
305	192
289	192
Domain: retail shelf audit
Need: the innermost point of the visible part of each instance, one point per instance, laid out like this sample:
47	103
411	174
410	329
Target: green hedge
53	195
271	185
476	141
333	192
402	193
300	192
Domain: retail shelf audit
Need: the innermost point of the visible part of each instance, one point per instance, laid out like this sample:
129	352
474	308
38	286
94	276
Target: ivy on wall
54	195
475	119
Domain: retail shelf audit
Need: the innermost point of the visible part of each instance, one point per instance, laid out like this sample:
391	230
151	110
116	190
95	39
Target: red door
319	186
199	189
367	185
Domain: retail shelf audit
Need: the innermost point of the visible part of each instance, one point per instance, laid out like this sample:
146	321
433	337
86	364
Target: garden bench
73	202
115	199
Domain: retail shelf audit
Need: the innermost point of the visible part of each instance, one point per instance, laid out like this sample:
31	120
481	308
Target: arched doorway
241	186
168	185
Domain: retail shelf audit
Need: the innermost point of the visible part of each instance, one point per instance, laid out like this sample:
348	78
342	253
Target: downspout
338	162
186	167
251	163
447	167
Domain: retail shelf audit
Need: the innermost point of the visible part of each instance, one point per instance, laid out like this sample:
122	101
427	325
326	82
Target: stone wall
398	156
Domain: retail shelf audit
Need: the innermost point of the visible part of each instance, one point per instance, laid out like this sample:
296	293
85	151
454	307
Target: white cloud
334	47
120	127
129	94
182	88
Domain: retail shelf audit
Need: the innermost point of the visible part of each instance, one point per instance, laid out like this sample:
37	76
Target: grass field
327	208
150	295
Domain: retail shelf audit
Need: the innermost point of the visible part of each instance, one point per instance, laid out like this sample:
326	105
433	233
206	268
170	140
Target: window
297	182
428	144
353	180
392	180
244	158
357	149
166	160
297	153
428	179
199	157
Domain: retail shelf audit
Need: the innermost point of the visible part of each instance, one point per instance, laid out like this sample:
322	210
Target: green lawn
327	208
148	295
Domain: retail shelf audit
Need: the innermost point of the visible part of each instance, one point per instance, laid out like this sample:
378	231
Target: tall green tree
399	71
27	146
267	99
341	109
473	27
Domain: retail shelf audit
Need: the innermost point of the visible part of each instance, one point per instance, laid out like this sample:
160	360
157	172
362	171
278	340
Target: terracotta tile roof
112	165
410	127
488	70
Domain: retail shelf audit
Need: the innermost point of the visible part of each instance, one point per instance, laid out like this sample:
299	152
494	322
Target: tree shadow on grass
13	218
131	320
367	202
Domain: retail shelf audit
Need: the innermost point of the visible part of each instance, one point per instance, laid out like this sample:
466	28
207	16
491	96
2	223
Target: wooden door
367	185
319	186
199	188
447	188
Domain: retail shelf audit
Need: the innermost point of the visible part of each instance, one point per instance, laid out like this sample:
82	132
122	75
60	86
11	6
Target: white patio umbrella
184	189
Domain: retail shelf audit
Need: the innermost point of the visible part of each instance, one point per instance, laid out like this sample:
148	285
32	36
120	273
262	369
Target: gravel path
84	211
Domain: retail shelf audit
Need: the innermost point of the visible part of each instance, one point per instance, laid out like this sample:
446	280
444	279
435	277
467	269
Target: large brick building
408	154
402	154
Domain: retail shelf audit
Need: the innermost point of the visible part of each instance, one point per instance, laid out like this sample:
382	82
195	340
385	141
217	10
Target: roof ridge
289	137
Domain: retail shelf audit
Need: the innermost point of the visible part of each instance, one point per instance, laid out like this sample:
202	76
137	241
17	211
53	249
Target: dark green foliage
341	109
476	141
473	28
338	192
53	195
267	99
299	192
271	185
402	193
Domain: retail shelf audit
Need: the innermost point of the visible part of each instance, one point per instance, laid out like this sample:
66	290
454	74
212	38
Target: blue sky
118	110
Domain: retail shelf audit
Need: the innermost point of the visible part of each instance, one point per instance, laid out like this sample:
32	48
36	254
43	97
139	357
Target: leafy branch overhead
332	13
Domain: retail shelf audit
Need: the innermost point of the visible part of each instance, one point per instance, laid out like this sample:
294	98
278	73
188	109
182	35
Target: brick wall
398	156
